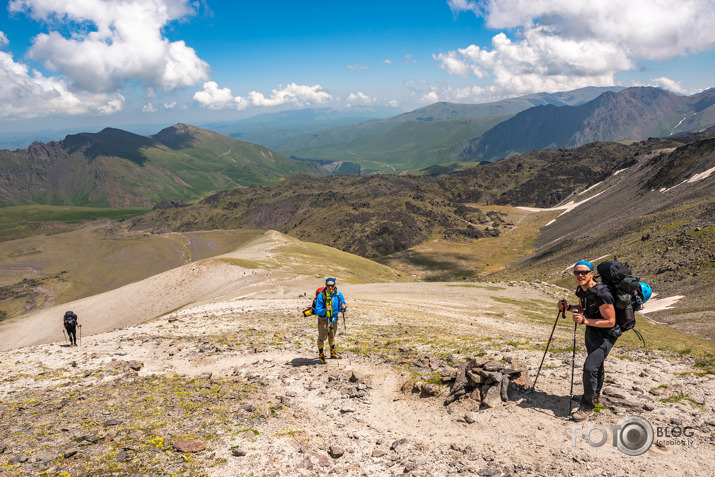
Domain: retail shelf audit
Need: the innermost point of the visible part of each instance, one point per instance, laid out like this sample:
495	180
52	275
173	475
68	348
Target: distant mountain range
631	114
446	137
421	138
378	215
115	168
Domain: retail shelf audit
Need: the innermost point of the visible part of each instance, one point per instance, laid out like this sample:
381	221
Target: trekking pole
64	333
345	328
573	363
561	313
80	335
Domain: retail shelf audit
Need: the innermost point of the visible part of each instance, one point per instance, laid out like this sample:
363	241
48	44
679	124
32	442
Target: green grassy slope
119	169
408	146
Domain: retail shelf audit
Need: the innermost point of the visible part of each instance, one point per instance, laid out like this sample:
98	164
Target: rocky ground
234	387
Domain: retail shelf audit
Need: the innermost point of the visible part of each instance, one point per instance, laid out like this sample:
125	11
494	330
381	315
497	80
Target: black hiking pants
72	333
598	345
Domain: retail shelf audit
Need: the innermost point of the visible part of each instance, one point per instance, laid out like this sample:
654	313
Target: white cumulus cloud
213	97
670	85
565	44
25	94
359	98
3	39
101	44
298	95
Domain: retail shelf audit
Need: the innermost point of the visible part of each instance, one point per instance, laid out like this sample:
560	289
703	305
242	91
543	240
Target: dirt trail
301	409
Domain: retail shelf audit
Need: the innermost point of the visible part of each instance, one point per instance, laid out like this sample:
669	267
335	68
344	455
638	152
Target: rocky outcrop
487	382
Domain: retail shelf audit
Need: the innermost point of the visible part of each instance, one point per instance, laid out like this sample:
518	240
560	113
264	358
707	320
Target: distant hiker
596	311
329	303
70	325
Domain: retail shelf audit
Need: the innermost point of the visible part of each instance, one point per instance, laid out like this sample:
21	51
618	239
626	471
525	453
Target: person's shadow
559	406
298	362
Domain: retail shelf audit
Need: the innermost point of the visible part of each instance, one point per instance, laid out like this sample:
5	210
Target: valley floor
234	387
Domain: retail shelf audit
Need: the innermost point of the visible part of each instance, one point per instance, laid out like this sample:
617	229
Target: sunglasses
328	286
582	272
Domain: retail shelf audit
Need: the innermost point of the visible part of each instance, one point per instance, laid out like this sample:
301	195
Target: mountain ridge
116	168
631	114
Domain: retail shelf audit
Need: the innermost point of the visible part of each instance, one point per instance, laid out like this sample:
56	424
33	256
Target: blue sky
68	63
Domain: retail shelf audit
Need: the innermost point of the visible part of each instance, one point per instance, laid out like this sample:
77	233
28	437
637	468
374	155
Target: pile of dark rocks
488	382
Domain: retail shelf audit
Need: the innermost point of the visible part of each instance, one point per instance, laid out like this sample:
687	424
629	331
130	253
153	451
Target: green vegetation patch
680	398
127	426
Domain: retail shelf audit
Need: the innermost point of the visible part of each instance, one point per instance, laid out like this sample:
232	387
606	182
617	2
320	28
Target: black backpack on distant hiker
627	293
70	319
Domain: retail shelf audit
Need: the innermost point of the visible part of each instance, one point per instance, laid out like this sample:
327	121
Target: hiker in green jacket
328	304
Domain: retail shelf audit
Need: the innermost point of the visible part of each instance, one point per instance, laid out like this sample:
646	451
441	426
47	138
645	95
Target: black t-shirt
593	298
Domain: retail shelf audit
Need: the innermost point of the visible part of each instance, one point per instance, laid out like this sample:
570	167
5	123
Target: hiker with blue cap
595	310
329	303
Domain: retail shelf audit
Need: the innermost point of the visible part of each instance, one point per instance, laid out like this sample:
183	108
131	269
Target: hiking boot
582	413
579	398
321	357
334	354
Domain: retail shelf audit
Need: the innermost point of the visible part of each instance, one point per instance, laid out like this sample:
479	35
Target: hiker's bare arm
608	320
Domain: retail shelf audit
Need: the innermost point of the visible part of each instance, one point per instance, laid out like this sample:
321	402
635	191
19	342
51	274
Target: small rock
409	467
70	453
189	445
378	453
488	472
493	366
336	452
398	443
123	456
323	460
492	396
346	410
89	439
469	418
354	378
238	452
429	389
135	365
247	434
